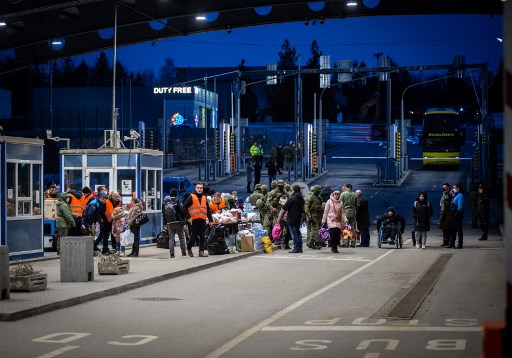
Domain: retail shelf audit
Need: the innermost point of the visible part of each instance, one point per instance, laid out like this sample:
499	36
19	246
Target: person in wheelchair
391	223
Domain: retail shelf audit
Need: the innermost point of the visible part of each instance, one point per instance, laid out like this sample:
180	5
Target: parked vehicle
182	184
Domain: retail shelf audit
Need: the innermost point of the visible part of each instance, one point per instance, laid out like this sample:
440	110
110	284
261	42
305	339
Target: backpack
171	215
91	212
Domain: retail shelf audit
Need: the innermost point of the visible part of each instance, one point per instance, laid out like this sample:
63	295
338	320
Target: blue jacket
458	202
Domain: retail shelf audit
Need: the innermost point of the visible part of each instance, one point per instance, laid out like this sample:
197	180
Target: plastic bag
276	231
346	232
267	244
127	238
324	234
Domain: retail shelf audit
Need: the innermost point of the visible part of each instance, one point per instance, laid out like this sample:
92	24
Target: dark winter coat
446	217
362	213
422	211
325	194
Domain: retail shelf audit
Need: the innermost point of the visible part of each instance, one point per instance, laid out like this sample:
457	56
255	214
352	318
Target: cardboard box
247	243
49	208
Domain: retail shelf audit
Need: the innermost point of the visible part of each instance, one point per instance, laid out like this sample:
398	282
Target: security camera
134	134
48	134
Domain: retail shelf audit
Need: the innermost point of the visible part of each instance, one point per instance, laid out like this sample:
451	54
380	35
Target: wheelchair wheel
379	239
399	242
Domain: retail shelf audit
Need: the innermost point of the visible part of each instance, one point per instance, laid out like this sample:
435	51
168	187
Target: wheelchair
390	235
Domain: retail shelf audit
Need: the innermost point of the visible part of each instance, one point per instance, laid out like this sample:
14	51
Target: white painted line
254	329
58	352
370	329
326	258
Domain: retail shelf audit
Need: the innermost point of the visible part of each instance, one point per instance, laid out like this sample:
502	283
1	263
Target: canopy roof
87	25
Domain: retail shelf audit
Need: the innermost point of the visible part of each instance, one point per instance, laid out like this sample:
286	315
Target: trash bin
77	259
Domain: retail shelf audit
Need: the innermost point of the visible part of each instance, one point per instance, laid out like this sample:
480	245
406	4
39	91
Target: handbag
324	234
127	238
141	220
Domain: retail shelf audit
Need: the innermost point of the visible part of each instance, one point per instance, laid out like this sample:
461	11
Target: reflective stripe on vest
198	210
76	206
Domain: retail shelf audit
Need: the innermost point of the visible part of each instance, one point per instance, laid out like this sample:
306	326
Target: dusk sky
409	40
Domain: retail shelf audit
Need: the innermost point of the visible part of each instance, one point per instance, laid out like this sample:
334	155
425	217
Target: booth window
23	189
73	176
126	185
151	180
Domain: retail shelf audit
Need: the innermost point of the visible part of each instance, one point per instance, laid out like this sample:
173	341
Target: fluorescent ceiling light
56	42
3	23
499	39
352	3
200	17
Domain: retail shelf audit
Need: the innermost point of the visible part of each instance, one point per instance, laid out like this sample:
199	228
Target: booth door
96	177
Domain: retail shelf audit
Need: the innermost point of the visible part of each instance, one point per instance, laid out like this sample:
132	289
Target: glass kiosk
21	219
131	172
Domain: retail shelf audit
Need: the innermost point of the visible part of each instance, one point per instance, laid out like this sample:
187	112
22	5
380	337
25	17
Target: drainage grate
155	299
411	302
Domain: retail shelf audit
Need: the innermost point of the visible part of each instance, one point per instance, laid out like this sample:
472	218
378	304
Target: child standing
118	226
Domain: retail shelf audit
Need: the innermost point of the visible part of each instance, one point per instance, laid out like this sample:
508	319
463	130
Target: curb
117	290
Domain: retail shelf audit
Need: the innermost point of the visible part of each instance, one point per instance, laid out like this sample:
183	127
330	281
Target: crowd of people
98	213
344	214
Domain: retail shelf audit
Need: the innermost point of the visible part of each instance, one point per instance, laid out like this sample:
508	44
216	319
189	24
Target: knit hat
86	190
118	213
174	192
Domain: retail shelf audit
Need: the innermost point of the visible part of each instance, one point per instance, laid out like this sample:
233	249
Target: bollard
5	284
76	259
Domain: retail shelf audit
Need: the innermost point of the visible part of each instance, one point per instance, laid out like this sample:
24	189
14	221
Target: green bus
441	138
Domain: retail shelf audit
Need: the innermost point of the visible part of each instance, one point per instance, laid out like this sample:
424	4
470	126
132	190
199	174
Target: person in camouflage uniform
314	212
257	194
288	189
349	199
262	208
275	201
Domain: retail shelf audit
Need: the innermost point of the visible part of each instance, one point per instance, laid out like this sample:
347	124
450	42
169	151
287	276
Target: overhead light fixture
56	42
499	39
3	23
200	17
352	3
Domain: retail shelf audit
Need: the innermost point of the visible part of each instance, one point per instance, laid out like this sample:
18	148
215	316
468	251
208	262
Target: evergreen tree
101	73
82	74
167	73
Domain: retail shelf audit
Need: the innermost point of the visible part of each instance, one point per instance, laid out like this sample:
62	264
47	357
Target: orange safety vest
86	199
198	209
219	206
76	206
109	209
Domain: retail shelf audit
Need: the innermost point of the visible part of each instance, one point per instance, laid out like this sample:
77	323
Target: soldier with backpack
175	220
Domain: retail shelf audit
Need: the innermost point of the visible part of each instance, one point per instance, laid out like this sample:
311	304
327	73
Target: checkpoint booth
21	219
131	172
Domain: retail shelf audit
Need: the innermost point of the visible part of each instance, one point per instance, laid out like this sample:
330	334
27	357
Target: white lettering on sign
446	345
177	90
139	342
66	337
310	345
